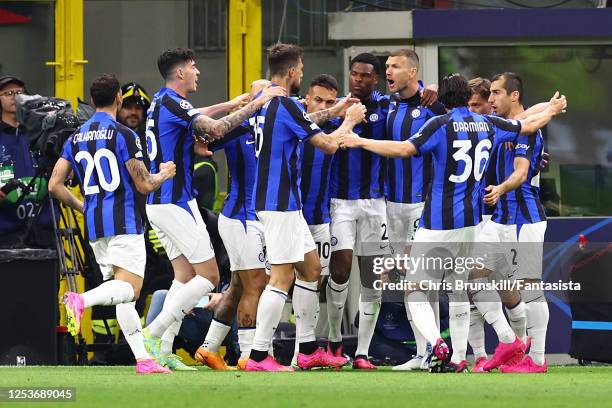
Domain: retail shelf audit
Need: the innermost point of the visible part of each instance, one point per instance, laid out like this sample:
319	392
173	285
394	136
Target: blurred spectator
25	218
205	182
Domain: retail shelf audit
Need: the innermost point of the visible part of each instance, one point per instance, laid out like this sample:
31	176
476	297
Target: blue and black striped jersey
357	173
170	138
278	127
408	178
521	206
316	171
239	147
460	143
98	151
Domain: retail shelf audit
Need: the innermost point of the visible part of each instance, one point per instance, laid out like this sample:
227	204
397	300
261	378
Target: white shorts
531	250
444	255
359	225
181	232
126	251
287	236
322	238
403	221
497	245
514	255
244	244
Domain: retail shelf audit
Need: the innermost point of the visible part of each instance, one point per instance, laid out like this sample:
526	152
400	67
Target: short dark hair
480	86
326	81
169	59
454	91
512	82
283	57
367	58
104	89
412	56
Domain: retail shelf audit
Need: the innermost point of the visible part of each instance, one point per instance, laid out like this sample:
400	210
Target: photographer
20	222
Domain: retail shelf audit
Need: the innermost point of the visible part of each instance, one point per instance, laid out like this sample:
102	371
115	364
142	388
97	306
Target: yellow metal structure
69	61
244	45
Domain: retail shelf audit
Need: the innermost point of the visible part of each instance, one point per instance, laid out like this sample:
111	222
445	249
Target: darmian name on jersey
470	126
104	134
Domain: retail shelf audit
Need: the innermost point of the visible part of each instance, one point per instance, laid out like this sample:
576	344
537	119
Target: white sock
336	299
130	325
112	292
489	305
185	299
423	316
216	333
476	336
245	340
434	302
459	324
369	306
269	312
517	317
421	341
306	308
167	339
537	320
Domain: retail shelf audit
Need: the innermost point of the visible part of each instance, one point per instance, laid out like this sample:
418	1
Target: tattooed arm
339	109
146	182
217	128
57	188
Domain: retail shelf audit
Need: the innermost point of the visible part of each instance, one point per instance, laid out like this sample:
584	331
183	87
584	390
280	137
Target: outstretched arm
225	107
217	128
557	105
146	182
339	109
387	148
329	143
57	188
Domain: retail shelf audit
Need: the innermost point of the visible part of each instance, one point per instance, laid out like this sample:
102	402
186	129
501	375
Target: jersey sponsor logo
185	105
415	113
470	126
249	142
373	117
521	146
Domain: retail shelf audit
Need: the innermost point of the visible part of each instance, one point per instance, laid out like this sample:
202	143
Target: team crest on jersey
374	117
185	105
416	113
334	241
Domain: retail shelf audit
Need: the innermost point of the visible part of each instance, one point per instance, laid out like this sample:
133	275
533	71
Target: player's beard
294	89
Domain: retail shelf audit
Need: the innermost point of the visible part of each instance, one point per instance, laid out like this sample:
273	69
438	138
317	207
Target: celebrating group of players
310	185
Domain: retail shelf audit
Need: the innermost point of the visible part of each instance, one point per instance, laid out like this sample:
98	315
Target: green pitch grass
109	387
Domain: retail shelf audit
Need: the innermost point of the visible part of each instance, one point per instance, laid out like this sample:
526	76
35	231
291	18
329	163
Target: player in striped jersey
278	127
172	210
106	156
407	178
316	169
519	218
460	142
242	236
358	213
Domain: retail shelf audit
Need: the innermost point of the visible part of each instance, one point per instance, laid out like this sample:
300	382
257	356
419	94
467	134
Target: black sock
308	347
335	345
361	356
258	356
